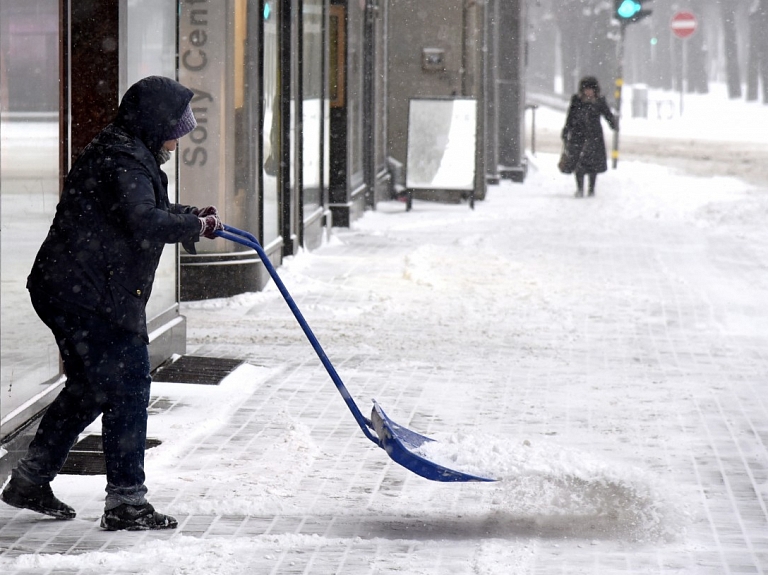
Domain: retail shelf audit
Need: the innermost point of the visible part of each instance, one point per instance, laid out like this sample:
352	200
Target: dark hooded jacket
583	134
114	216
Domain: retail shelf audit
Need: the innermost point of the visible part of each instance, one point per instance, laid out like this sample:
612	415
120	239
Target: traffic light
629	11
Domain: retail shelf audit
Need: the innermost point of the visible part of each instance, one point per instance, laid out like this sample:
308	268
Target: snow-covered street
605	358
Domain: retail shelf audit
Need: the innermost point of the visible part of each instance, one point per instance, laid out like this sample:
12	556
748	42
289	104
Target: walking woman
583	134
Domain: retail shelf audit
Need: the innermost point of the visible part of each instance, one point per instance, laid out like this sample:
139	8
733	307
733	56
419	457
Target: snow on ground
464	292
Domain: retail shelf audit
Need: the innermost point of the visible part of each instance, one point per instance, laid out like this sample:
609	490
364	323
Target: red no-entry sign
683	24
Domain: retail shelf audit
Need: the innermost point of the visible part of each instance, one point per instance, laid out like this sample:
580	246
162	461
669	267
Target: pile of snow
554	486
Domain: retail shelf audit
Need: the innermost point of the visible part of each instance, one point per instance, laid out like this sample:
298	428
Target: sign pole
617	94
683	25
684	77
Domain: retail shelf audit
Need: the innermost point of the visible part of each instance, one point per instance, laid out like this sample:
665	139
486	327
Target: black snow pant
108	374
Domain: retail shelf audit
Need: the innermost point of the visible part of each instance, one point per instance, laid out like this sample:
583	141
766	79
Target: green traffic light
629	8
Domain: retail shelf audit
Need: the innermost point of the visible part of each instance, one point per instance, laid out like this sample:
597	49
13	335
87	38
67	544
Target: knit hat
589	82
184	126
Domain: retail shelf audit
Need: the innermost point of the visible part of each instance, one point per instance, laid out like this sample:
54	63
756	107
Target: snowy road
745	160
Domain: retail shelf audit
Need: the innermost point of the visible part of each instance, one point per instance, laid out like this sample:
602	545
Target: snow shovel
400	443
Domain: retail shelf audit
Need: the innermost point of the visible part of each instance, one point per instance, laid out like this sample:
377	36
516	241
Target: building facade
301	127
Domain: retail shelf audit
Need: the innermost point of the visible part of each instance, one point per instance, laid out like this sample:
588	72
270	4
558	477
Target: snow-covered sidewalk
605	358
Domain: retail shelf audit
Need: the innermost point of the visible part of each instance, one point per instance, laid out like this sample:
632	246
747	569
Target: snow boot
591	192
24	495
579	194
136	518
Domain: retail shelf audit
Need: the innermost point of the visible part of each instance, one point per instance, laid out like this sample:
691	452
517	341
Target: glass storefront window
312	104
29	191
149	49
355	94
271	141
29	174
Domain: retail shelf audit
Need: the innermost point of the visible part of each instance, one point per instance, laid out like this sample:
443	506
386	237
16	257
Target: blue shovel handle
249	240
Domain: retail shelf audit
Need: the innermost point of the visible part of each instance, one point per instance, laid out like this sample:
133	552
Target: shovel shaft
249	240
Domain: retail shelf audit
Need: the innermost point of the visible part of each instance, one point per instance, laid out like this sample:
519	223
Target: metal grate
195	369
87	456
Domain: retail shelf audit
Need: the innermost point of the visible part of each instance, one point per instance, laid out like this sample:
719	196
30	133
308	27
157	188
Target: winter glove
209	225
206	211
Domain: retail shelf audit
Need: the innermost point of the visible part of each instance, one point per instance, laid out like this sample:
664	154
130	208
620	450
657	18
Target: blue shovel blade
401	444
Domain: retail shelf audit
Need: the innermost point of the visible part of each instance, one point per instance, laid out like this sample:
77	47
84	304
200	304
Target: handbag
566	164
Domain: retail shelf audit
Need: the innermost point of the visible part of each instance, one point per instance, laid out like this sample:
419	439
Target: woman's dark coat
583	134
114	216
